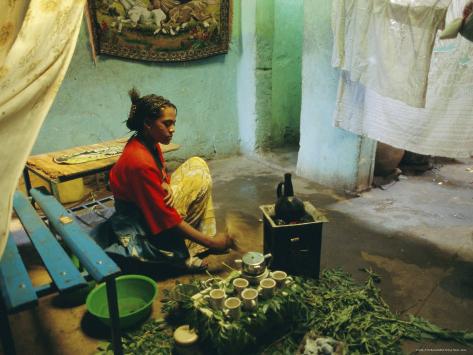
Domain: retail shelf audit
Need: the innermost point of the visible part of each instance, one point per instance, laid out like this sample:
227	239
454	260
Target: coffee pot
288	207
254	266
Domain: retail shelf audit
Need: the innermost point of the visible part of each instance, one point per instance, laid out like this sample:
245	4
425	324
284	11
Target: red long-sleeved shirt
137	178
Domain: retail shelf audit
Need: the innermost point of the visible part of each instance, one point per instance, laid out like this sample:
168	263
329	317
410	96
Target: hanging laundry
386	45
443	128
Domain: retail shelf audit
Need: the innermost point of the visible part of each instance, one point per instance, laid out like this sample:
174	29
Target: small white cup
267	288
280	277
217	298
239	284
249	297
233	305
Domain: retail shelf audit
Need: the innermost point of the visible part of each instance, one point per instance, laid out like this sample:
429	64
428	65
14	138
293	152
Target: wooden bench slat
63	272
15	284
90	254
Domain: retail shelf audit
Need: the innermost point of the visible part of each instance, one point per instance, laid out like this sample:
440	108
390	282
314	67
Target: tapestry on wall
160	30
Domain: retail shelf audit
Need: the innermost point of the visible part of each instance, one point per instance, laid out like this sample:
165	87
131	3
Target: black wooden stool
295	247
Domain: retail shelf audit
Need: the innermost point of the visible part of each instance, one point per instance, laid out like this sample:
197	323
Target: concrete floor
418	235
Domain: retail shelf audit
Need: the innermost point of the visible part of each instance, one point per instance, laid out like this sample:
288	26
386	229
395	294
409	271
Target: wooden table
46	168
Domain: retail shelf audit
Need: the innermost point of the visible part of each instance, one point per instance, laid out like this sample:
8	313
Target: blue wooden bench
17	290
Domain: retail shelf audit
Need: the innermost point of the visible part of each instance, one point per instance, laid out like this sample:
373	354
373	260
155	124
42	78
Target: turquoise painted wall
92	102
279	34
263	74
286	78
246	79
328	155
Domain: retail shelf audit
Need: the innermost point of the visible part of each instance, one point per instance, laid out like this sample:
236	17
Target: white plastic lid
183	335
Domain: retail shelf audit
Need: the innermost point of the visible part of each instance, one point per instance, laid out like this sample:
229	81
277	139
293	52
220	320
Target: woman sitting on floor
160	218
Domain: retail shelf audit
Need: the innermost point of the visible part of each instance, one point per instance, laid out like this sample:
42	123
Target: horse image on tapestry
158	29
167	16
181	15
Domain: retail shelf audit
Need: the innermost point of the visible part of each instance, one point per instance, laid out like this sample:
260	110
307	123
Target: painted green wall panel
263	75
263	108
246	78
279	33
286	78
265	33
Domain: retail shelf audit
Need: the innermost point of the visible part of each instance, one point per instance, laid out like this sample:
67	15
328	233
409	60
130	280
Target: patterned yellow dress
191	184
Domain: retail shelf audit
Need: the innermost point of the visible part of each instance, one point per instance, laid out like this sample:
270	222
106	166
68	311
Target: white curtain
443	128
37	40
386	45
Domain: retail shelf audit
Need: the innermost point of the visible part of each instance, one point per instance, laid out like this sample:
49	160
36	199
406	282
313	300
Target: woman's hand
222	241
219	243
169	198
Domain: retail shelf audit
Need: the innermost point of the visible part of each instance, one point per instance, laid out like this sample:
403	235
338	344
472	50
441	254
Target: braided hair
146	108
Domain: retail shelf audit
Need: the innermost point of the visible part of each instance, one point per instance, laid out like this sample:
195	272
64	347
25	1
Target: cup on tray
249	297
267	287
280	277
217	298
239	284
233	305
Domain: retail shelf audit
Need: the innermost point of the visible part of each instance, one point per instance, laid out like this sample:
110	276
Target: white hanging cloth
386	45
443	128
37	40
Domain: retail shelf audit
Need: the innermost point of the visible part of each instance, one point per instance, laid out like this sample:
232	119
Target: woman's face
162	129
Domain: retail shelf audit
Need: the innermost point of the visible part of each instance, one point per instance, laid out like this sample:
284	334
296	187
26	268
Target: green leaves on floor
334	306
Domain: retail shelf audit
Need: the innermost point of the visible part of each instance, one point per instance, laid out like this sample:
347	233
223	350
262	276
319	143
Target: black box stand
295	248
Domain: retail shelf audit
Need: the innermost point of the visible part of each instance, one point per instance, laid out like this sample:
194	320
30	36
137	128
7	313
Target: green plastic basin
135	293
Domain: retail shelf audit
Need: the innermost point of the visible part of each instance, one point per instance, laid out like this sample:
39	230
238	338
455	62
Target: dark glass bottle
288	207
